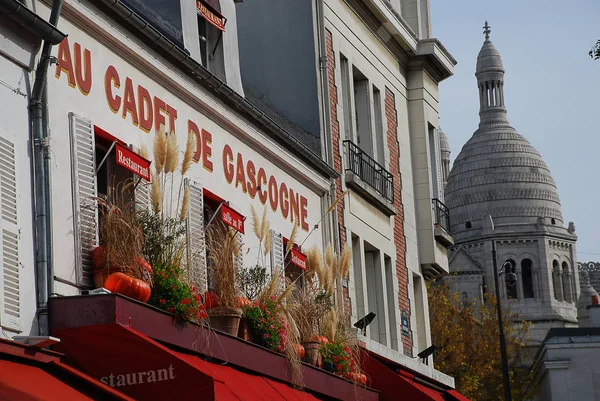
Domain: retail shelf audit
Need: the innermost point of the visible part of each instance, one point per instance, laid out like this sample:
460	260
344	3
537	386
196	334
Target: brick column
336	145
399	239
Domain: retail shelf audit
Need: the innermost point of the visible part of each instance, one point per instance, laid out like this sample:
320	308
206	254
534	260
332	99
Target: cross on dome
487	30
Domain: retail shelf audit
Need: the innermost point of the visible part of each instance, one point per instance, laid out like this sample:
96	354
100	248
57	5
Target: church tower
499	173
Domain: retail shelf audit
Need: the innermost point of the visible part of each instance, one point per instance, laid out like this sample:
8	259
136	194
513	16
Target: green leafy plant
172	294
253	280
267	326
337	358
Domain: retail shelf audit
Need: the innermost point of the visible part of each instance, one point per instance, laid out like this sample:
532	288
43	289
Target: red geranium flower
163	301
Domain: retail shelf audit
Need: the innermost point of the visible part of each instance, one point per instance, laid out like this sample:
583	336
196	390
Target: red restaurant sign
298	258
133	162
210	15
232	218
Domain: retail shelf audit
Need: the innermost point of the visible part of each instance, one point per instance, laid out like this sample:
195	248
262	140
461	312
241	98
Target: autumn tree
467	338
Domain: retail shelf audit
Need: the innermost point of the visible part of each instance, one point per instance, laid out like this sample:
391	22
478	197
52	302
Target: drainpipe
41	156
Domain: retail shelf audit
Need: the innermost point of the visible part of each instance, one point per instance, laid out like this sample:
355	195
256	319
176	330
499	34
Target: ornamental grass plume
121	235
224	248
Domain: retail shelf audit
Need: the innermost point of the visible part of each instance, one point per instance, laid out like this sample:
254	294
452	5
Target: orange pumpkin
299	350
98	257
144	264
320	339
131	287
243	301
211	300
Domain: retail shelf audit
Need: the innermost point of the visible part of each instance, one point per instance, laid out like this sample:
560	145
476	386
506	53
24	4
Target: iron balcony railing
442	214
369	171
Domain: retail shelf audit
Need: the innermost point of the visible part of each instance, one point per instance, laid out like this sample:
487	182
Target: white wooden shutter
141	194
196	242
10	297
438	166
238	260
85	205
277	255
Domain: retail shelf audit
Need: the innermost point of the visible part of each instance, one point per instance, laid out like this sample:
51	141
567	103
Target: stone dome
498	172
489	58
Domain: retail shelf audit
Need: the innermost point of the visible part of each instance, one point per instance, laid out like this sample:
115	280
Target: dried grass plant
121	235
169	199
224	247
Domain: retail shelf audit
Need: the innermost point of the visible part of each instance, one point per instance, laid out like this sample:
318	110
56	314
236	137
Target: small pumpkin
144	264
211	300
320	339
131	287
98	257
299	350
243	302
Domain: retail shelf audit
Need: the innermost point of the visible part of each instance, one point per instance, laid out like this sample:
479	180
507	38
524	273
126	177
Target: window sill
442	236
366	191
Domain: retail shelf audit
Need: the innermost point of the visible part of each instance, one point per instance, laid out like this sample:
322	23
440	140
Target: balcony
369	178
442	223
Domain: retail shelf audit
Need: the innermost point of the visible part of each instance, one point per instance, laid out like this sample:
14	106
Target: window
211	41
379	136
362	111
359	287
111	176
391	297
556	284
511	290
435	157
346	97
527	277
468	225
566	282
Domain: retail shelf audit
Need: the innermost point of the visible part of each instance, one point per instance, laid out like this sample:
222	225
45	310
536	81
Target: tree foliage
467	336
595	52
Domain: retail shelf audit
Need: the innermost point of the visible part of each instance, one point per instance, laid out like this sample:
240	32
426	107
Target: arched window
510	267
527	274
555	280
566	280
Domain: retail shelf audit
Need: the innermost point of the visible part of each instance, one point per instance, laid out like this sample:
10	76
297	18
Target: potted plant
266	325
223	249
118	264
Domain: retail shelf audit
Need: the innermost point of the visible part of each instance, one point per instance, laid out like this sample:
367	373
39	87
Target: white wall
110	46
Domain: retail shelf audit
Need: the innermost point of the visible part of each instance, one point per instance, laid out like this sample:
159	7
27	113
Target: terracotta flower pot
243	331
224	319
311	352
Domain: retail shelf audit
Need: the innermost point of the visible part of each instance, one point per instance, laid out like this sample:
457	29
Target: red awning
118	355
392	384
456	395
33	379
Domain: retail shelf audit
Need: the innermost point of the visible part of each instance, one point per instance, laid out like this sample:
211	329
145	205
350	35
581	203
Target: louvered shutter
196	241
238	260
439	193
141	194
10	305
277	255
85	205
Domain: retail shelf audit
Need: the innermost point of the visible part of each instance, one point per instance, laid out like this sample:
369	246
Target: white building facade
117	79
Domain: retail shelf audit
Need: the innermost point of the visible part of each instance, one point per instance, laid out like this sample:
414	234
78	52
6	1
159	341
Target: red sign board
210	15
298	258
133	162
232	218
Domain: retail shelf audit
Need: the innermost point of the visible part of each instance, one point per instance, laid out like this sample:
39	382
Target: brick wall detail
399	238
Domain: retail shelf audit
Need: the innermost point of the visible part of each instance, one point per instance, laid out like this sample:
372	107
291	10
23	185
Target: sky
551	90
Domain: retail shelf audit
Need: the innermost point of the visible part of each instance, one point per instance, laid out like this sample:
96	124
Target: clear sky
551	89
